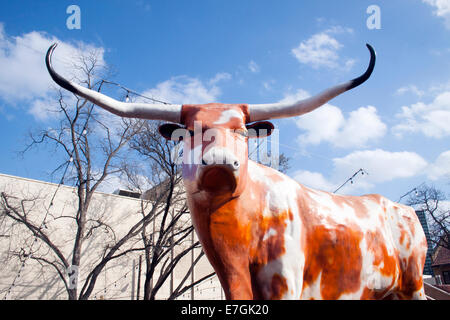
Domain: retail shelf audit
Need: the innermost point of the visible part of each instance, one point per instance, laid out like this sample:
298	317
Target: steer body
269	237
281	240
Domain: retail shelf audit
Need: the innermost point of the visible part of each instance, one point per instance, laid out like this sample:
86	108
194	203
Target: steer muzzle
219	171
220	156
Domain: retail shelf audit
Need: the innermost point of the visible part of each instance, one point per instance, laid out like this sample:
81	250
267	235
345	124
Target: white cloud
221	76
300	94
381	166
320	50
184	89
253	66
313	180
328	124
338	30
320	125
24	78
363	125
440	87
440	169
442	9
349	63
268	84
432	119
410	89
112	183
43	108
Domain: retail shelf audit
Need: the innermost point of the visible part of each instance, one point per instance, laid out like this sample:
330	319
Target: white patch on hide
227	115
271	232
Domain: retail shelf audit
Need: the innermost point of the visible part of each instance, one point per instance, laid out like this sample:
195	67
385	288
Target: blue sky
395	126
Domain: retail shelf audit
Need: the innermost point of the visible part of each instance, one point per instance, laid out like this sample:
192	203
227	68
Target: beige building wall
119	278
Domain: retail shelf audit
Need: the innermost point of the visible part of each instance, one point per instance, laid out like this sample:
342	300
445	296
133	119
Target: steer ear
260	129
172	131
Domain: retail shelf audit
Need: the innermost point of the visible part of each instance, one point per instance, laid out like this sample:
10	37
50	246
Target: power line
134	92
112	283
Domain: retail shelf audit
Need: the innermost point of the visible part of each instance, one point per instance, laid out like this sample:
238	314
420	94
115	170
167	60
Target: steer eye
243	132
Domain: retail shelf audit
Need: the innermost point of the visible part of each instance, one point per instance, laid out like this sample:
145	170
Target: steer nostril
236	164
204	163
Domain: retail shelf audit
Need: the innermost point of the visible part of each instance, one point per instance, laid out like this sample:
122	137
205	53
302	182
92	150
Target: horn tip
361	79
55	76
51	48
49	54
371	49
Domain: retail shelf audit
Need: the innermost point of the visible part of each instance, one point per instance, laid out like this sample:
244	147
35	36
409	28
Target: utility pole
351	179
192	264
133	279
139	279
171	257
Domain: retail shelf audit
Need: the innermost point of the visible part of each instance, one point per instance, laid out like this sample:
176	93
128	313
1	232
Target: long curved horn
284	110
171	112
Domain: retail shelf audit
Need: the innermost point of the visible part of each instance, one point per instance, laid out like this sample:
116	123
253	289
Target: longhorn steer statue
267	236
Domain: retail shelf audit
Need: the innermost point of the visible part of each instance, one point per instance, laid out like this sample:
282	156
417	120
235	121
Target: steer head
215	136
